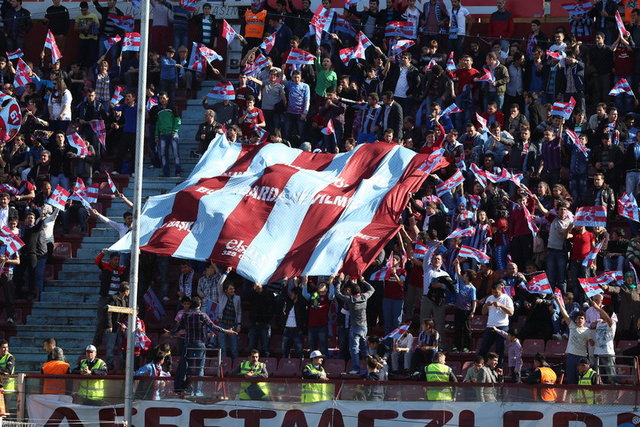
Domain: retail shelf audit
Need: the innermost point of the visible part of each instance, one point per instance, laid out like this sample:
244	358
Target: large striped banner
271	211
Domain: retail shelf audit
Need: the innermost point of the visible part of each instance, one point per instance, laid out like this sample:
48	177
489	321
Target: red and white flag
419	250
539	285
482	121
397	332
404	29
210	55
385	272
590	259
623	31
300	57
364	40
79	144
590	286
259	63
591	216
117	95
487	77
12	241
99	129
112	185
628	207
400	46
91	193
563	109
573	137
15	54
430	65
131	42
190	5
111	41
222	91
301	203
467	232
197	62
58	198
577	8
329	130
126	22
228	32
50	43
451	109
451	64
23	74
558	293
478	255
622	86
268	43
450	184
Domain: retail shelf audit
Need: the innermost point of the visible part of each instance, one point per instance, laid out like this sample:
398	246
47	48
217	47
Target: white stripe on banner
286	217
334	244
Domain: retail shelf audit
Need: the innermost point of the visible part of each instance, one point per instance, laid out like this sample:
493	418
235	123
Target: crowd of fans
510	80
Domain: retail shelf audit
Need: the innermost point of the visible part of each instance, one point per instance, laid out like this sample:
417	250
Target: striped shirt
207	29
195	323
370	117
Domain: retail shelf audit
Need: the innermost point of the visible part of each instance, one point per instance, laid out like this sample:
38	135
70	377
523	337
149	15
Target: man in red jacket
501	25
521	235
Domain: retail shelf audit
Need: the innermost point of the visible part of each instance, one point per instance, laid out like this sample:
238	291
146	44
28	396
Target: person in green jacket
325	76
167	127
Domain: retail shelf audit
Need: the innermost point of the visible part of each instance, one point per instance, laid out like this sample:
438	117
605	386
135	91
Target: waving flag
622	86
301	205
433	162
126	22
573	137
11	241
616	276
343	26
628	207
78	143
269	42
467	232
112	185
487	77
190	5
117	95
483	122
259	63
151	102
577	8
558	293
197	62
228	32
539	285
364	40
397	332
111	41
209	54
404	29
474	201
530	222
153	305
99	129
558	54
620	25
300	57
563	109
419	250
478	255
329	130
131	42
23	74
223	91
9	189
590	286
450	184
592	216
50	43
480	174
91	193
590	259
58	198
400	46
78	188
451	109
430	65
451	65
321	21
346	54
385	272
15	54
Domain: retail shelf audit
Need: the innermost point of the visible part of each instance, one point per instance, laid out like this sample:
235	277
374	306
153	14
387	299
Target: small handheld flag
58	198
50	43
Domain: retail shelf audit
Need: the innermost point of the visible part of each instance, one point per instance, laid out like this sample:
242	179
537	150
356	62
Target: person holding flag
403	79
582	243
402	351
298	102
466	304
108	27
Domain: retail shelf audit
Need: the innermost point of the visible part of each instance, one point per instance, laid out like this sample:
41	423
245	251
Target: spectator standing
17	23
355	296
499	306
160	34
501	25
229	313
206	26
403	79
167	127
57	19
169	72
298	101
294	312
459	26
514	352
433	291
434	19
604	347
60	106
108	26
87	25
206	131
577	347
263	307
603	11
57	365
274	99
466	303
319	299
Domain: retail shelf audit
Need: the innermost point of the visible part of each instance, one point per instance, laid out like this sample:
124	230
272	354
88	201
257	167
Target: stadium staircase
66	309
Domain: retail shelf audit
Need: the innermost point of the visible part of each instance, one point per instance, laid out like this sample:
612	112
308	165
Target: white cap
316	353
90	348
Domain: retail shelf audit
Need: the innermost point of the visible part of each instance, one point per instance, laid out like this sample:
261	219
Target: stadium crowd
537	126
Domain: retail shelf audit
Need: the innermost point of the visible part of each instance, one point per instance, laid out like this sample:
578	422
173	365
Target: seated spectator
402	352
252	368
427	346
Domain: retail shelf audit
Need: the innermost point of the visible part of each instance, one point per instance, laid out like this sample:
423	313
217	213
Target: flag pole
137	203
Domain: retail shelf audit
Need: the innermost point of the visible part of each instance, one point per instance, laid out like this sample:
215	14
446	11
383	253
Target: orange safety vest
54	367
547	376
254	27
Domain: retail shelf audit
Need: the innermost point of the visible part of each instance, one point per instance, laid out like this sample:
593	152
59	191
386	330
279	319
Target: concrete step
77	266
70	297
57	322
90	289
23	343
43	330
104	232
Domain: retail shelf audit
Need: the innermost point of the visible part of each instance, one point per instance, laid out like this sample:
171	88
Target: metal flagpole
137	203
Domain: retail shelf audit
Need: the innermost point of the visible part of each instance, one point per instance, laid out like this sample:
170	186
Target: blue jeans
111	339
357	344
191	363
391	313
259	335
465	102
293	121
233	342
633	179
614	263
571	374
489	338
180	38
557	269
60	180
169	142
292	337
318	336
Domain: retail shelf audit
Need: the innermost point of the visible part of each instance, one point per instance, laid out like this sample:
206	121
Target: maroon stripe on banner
327	207
177	224
313	161
385	221
250	215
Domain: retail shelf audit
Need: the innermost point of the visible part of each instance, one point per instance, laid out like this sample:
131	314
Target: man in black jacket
34	248
207	130
294	314
600	194
110	324
403	80
263	303
391	116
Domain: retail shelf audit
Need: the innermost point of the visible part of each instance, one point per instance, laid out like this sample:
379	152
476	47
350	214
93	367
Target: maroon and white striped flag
23	74
628	207
50	43
224	91
270	211
131	42
12	241
58	198
398	332
451	64
117	95
590	259
623	31
385	272
487	77
329	130
78	143
364	40
111	41
210	55
478	255
404	29
450	184
268	43
197	62
99	129
228	32
419	250
300	57
591	216
563	109
590	286
539	285
15	54
112	186
467	232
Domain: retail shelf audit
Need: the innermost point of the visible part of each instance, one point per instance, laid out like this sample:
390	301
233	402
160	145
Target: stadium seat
456	367
555	348
531	347
62	251
212	368
466	365
334	367
288	368
625	344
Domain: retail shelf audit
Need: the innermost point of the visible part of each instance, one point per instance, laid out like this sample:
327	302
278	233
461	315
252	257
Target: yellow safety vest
254	28
437	372
8	383
586	396
251	391
92	389
316	392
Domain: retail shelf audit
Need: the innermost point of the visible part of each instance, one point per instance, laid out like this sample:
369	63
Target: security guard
253	368
587	377
7	367
316	391
255	21
91	392
438	371
56	366
543	374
